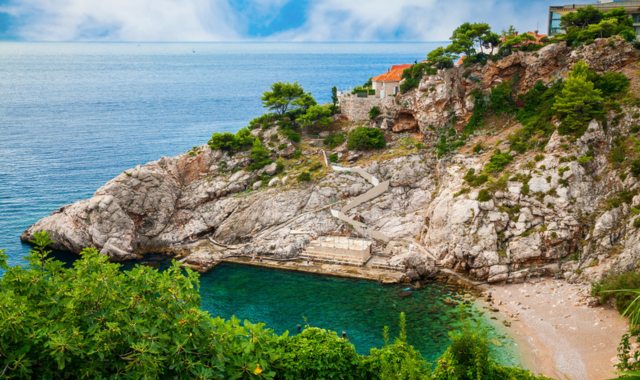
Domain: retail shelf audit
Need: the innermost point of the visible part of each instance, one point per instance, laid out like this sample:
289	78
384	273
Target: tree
579	102
468	37
334	100
441	58
316	115
581	18
363	138
284	96
589	23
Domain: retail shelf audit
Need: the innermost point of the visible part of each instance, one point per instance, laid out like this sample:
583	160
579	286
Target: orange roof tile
393	75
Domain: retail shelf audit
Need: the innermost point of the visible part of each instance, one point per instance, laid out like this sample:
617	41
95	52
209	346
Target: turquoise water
284	300
73	116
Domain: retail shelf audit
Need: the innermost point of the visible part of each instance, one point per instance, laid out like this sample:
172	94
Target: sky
270	20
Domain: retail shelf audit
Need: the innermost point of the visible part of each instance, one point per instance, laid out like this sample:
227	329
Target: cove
285	299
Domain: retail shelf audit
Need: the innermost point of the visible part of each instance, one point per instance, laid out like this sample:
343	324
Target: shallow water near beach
73	116
285	300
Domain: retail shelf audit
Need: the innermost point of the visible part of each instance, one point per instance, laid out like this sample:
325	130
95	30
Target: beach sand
556	332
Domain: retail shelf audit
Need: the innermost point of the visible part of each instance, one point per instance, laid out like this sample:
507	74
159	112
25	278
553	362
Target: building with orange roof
388	84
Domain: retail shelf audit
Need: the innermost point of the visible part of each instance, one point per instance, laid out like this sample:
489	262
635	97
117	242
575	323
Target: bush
335	140
333	157
374	112
484	196
319	354
501	99
398	360
290	134
231	143
535	116
260	156
304	177
363	138
605	289
316	116
578	103
475	180
635	167
498	162
265	121
414	74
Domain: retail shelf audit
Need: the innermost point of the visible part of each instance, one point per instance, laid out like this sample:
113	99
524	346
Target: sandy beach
557	333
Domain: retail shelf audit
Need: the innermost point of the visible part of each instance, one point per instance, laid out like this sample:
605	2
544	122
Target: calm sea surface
72	116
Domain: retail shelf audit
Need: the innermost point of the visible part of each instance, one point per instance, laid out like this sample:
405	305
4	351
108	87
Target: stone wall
357	108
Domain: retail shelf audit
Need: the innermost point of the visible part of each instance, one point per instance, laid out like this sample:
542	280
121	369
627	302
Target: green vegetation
374	112
304	177
589	23
579	102
334	100
259	155
231	143
440	58
363	138
334	140
412	75
624	290
468	38
605	289
484	196
498	161
316	116
95	320
502	100
285	97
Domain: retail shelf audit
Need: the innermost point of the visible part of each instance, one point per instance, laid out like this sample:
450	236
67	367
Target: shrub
374	112
363	138
605	289
231	143
397	360
335	140
304	177
318	354
290	134
414	74
260	156
441	58
501	99
265	121
578	103
316	116
498	162
475	180
484	196
635	167
535	115
333	157
636	223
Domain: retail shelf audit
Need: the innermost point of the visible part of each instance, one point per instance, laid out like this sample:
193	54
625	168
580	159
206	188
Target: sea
74	115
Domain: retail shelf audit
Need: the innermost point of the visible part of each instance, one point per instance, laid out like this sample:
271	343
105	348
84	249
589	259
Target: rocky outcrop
550	214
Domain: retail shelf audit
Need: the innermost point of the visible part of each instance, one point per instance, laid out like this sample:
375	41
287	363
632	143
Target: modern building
388	84
556	12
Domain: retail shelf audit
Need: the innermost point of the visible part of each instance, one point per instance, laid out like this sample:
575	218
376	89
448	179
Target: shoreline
556	332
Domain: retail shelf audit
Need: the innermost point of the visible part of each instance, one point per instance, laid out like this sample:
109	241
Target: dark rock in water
405	293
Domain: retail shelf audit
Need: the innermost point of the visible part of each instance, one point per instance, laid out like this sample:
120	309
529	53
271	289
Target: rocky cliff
548	213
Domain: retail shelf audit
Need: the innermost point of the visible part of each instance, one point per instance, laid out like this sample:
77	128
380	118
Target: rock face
552	214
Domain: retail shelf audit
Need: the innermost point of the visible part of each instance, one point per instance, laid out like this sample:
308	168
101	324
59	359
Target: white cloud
125	20
212	20
420	20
